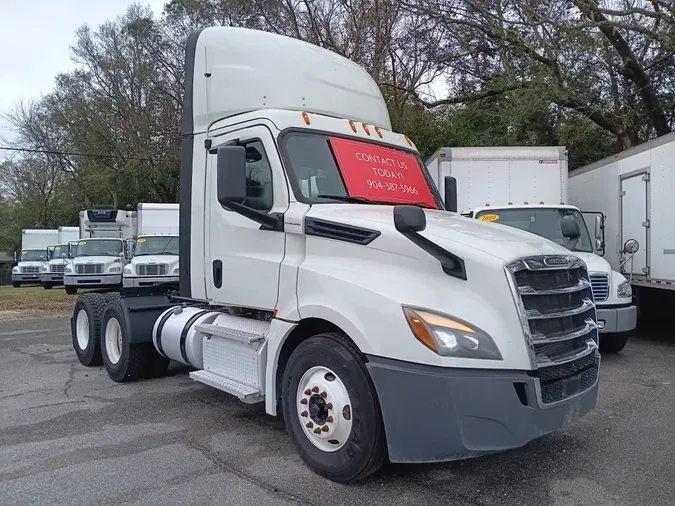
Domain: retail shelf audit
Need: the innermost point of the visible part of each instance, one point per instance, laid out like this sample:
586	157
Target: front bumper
93	280
131	281
51	277
435	414
617	319
26	278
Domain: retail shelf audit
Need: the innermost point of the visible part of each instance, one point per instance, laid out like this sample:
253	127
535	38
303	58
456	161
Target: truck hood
594	262
103	259
155	259
447	229
30	263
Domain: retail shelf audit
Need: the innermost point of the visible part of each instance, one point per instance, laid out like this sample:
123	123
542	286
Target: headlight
16	270
127	270
450	337
68	269
175	270
115	269
45	268
624	290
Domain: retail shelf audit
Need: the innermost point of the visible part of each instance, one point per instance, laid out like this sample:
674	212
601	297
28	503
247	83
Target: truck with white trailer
35	244
321	275
633	189
526	187
104	248
59	258
155	253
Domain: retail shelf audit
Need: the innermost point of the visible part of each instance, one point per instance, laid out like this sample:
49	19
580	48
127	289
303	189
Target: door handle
218	273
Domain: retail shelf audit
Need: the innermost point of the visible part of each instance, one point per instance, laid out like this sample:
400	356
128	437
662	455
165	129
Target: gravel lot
69	435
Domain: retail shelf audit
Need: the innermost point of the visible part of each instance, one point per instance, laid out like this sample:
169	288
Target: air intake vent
340	231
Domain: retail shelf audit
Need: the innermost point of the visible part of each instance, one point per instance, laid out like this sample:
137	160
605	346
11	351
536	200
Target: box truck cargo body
52	271
527	188
634	190
35	250
155	254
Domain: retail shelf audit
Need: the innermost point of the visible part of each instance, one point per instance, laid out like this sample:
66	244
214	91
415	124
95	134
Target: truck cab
154	260
102	251
34	255
59	258
322	275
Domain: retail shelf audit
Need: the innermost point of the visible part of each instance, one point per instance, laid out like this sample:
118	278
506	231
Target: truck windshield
328	169
99	247
544	222
159	245
34	255
60	251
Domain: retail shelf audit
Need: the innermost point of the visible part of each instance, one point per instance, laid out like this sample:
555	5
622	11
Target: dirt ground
34	302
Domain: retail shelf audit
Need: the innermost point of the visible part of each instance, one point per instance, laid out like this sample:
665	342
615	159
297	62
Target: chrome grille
554	296
30	269
89	269
600	283
152	269
57	268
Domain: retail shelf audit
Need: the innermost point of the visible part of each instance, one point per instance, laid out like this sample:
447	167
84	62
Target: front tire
331	409
16	284
48	286
613	343
86	328
71	290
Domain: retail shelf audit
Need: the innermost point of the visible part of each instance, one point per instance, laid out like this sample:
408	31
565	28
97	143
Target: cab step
245	393
236	328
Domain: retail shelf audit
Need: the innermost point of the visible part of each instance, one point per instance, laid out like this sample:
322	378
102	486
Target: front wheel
613	343
71	290
16	284
47	286
331	409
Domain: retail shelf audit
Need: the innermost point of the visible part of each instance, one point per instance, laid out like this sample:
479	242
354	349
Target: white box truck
155	254
104	248
59	258
35	244
321	275
633	189
526	187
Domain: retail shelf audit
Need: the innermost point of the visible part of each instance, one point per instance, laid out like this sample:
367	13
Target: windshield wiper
347	198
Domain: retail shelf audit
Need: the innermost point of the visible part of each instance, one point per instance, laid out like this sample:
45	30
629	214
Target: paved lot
69	435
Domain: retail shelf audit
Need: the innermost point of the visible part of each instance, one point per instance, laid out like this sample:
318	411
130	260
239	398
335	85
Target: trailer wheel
123	360
71	290
47	286
331	409
86	328
613	343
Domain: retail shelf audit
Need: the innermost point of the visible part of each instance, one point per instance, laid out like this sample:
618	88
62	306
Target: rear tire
124	361
613	343
16	285
86	328
342	403
71	290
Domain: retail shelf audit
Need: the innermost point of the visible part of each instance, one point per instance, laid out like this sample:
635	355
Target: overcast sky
35	40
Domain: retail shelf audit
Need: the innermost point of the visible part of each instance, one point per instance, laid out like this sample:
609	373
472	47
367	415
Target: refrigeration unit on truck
321	275
526	187
155	254
103	250
35	244
634	190
59	258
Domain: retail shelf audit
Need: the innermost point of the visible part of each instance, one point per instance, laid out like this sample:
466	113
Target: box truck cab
526	188
59	258
34	254
102	251
155	253
321	275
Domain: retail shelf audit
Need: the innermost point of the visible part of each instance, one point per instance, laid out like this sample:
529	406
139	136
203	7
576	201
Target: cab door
243	259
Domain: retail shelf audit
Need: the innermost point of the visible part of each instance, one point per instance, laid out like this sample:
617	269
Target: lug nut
329	419
324	394
317	431
304	414
329	405
315	390
303	401
308	392
309	425
324	429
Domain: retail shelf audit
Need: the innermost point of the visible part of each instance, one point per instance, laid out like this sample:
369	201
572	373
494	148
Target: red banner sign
381	174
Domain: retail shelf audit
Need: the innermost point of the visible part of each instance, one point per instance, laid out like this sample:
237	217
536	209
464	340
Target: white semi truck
321	275
633	189
35	244
526	188
155	255
59	258
104	248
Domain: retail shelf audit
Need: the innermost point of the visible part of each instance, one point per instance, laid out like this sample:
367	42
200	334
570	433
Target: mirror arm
271	221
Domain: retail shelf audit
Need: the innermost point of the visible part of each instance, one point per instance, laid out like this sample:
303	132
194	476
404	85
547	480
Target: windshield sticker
141	240
24	252
381	174
82	243
489	217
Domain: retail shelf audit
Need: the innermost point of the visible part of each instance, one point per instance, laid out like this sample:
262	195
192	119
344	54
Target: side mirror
409	219
450	194
599	245
231	172
570	229
598	227
631	246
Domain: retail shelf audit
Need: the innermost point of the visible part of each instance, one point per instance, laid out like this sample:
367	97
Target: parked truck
104	248
59	258
35	244
321	275
633	189
155	253
526	188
